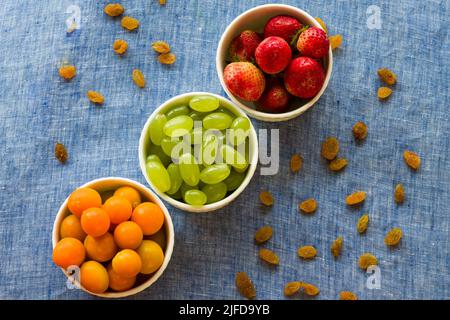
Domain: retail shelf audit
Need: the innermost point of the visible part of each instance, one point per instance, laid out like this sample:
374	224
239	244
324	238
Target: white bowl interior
253	152
111	183
255	19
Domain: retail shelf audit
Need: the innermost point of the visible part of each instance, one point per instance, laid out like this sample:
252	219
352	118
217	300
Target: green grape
215	192
215	173
177	111
234	180
189	169
156	150
175	178
196	135
195	197
168	144
217	120
227	111
158	175
197	116
209	149
204	103
178	126
239	130
152	157
156	128
185	187
233	157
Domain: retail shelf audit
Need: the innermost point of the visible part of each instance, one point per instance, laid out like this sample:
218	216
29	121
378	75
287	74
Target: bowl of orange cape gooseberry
112	237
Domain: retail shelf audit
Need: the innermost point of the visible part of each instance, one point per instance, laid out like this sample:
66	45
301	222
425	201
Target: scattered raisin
162	2
269	256
399	193
387	76
61	152
266	198
130	23
366	260
138	78
263	234
412	159
307	252
309	289
363	223
120	46
161	47
360	130
95	97
67	72
330	148
245	285
347	295
296	163
335	41
336	246
338	164
167	58
114	9
322	24
308	206
355	198
384	92
393	237
292	288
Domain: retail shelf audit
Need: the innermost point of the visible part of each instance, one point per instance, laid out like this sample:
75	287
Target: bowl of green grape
198	151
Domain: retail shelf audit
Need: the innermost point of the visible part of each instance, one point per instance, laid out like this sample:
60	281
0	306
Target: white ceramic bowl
253	152
255	19
112	183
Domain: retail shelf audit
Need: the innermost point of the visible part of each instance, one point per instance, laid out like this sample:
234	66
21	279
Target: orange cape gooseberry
149	217
82	199
94	277
102	248
68	252
71	228
127	263
151	255
119	209
119	283
95	222
128	235
129	193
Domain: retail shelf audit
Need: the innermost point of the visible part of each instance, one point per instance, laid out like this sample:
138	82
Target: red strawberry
273	55
243	47
275	98
304	77
244	80
282	26
313	42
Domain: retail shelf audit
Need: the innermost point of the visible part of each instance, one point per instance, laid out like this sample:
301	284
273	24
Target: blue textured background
37	109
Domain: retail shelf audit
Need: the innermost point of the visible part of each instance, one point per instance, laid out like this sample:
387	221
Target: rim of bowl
253	156
151	196
220	64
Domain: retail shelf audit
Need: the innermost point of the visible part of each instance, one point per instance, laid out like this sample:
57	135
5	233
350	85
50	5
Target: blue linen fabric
37	109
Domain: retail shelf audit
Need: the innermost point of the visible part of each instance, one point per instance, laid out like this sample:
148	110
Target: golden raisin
330	148
347	295
161	47
67	72
263	234
266	198
360	130
363	223
309	289
138	78
162	2
387	76
61	152
307	252
130	23
399	193
245	285
296	163
336	246
335	41
393	237
120	46
412	159
269	256
95	97
355	198
292	288
308	206
338	164
366	260
114	9
384	92
167	58
322	24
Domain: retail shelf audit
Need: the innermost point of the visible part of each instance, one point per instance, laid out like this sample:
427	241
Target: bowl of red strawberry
274	61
